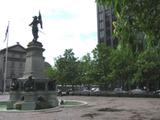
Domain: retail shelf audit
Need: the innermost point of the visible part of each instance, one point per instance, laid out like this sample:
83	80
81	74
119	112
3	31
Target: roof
16	48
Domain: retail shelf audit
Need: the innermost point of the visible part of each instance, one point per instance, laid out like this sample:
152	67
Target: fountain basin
32	100
67	103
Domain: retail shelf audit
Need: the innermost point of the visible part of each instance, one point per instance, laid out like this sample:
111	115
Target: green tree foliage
51	72
137	29
136	15
86	67
148	69
101	55
134	61
122	65
67	68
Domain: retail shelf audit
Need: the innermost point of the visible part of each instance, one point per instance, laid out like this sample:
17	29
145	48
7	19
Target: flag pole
6	60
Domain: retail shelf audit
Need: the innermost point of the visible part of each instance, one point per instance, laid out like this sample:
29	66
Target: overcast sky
66	24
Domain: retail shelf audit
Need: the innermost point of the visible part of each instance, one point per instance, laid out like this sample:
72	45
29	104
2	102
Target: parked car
137	91
95	89
119	91
62	92
157	92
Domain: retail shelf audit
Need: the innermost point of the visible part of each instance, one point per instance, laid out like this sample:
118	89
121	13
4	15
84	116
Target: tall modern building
105	17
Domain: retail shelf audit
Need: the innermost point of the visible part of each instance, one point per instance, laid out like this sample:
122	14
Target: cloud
60	14
67	24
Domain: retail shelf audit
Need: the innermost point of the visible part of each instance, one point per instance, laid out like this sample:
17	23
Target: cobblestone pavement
98	108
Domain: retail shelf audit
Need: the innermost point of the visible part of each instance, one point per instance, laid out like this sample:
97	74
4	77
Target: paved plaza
98	108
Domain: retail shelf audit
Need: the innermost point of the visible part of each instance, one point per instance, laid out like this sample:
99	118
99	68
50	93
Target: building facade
15	64
105	17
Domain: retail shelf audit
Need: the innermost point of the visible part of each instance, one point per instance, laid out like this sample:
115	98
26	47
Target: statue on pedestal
34	90
34	24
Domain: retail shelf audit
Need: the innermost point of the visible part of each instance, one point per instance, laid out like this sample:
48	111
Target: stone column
34	65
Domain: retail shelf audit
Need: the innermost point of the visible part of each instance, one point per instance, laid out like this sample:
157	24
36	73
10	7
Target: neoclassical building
15	64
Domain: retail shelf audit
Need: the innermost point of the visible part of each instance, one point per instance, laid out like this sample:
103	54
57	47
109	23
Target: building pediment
17	48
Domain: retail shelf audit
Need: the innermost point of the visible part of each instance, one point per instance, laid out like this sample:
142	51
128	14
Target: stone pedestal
34	65
35	90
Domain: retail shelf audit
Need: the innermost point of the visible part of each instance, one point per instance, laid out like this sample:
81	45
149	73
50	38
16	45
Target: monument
34	90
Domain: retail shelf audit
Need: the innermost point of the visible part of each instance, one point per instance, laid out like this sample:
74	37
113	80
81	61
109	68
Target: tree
51	72
136	15
67	68
101	56
122	68
87	68
137	29
148	69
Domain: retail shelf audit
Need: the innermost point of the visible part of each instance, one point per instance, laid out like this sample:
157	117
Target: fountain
34	90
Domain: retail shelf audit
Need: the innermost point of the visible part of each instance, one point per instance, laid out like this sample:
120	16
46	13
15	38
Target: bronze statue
14	84
34	24
29	84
